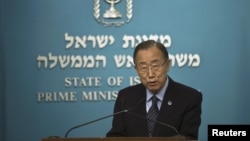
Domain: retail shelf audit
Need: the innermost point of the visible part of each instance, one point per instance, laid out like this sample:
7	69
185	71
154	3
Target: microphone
123	111
158	122
117	113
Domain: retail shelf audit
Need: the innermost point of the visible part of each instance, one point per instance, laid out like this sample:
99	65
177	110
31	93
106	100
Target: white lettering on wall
51	60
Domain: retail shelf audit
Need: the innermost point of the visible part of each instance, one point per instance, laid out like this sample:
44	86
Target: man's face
152	68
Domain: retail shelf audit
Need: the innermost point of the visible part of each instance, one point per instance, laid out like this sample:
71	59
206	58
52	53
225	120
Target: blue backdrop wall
62	62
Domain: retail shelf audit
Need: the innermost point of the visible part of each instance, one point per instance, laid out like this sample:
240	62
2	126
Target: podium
120	139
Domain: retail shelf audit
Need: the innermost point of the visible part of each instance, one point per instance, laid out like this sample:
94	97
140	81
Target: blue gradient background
218	30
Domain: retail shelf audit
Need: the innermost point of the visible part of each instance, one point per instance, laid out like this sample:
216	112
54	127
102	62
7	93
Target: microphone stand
93	121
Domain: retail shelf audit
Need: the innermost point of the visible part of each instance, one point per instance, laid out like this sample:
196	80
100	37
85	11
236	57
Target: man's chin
153	90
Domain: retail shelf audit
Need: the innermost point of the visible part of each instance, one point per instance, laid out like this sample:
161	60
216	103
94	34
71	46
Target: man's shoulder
137	90
185	92
133	88
187	87
177	86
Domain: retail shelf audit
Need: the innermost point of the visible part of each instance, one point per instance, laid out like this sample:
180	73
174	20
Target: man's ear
168	64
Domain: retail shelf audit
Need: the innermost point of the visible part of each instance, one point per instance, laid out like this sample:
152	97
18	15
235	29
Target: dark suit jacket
181	108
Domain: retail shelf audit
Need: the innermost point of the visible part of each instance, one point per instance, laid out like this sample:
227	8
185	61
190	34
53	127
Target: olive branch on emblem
129	6
97	9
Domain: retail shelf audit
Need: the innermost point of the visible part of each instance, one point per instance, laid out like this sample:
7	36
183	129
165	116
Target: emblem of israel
112	16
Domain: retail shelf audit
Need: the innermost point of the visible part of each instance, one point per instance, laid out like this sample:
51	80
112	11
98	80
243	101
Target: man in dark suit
178	106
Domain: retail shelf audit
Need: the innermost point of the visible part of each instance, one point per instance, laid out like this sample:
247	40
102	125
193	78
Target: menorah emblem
112	12
112	16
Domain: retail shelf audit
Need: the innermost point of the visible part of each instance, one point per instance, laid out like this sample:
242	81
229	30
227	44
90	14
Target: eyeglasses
143	68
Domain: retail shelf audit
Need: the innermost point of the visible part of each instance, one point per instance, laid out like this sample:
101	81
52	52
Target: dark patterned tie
152	115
